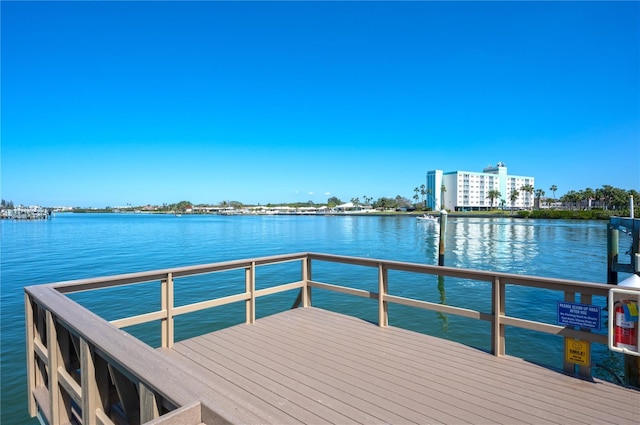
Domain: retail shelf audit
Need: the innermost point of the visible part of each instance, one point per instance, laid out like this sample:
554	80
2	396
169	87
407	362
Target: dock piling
443	233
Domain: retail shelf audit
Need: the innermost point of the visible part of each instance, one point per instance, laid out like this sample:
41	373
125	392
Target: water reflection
496	244
442	317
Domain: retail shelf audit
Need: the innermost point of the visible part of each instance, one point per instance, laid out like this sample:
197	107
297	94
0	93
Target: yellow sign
576	351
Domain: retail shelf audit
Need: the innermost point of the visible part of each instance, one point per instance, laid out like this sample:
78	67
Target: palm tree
416	191
513	197
588	195
607	195
553	189
492	196
539	195
528	190
443	189
570	199
423	192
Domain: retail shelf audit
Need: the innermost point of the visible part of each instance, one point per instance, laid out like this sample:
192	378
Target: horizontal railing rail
84	367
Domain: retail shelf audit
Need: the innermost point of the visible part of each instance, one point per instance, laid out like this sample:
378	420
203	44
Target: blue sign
582	315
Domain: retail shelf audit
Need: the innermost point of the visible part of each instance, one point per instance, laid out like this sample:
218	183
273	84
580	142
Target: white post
631	205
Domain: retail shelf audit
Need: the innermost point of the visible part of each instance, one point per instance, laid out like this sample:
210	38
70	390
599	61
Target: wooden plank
554	329
70	385
41	395
58	402
498	311
441	308
89	384
383	291
139	319
102	418
190	308
250	288
166	303
40	350
305	292
277	289
343	289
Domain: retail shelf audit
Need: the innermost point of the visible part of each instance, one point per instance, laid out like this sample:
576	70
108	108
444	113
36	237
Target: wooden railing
82	368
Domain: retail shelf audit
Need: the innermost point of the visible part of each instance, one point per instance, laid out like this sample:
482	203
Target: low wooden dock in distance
305	365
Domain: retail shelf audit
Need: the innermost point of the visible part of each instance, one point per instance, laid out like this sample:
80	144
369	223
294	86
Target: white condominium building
469	190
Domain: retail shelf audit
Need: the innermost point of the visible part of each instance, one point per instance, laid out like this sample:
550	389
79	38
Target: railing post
31	357
59	402
306	276
250	287
89	384
167	324
585	371
94	381
499	309
383	289
568	367
39	342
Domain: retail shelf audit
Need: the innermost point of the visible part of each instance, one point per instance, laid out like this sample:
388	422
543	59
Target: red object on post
625	331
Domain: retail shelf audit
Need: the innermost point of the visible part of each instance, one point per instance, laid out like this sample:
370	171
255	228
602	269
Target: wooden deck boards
312	366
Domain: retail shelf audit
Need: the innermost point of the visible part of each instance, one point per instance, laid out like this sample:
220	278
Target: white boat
428	218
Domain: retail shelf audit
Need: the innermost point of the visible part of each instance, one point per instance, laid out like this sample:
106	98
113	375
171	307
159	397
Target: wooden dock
312	366
306	365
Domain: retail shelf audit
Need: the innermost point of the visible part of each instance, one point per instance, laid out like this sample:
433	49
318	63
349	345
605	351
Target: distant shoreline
524	214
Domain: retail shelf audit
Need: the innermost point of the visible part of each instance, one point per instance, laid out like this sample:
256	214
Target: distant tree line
6	205
606	198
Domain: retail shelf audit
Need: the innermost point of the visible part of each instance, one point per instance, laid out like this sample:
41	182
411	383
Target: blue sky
109	103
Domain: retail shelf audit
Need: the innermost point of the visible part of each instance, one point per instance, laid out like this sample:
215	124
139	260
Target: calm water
73	246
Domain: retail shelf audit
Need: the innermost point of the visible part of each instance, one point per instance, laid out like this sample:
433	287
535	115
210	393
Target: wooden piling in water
612	254
443	232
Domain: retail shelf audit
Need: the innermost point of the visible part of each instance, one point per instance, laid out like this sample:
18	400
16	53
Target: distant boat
428	218
178	215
